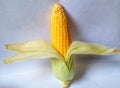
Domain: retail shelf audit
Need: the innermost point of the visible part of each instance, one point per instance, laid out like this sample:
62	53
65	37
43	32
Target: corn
62	69
60	33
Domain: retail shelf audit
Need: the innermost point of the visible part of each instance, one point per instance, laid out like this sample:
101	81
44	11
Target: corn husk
31	50
63	68
79	47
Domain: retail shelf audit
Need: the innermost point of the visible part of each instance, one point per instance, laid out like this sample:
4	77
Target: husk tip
7	46
7	61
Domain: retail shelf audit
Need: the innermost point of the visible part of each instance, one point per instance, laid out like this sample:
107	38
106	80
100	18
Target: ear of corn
62	68
60	33
61	41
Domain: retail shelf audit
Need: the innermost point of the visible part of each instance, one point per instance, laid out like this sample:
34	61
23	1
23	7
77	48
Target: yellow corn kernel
60	33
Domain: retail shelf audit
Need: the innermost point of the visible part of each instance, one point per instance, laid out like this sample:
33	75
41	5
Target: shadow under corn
82	62
73	28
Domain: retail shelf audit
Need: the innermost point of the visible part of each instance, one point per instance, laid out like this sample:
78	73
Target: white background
95	21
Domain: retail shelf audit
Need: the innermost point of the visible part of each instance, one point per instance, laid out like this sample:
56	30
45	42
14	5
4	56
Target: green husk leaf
62	70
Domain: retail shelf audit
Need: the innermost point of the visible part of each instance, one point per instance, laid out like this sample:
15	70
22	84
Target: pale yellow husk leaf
78	47
31	46
31	50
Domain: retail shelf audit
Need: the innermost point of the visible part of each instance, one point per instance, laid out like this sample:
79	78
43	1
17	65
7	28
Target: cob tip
57	8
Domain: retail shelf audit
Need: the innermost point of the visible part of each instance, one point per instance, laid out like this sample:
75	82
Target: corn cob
60	33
